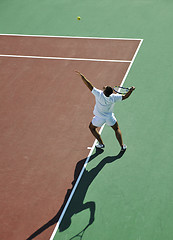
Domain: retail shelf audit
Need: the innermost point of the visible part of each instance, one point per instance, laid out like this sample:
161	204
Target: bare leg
95	133
118	133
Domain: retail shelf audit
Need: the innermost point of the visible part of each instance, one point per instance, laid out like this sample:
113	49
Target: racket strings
120	90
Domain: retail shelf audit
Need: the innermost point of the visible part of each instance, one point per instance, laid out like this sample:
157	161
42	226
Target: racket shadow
80	234
76	205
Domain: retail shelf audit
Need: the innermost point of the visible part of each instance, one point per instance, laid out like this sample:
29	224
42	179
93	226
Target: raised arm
128	93
87	82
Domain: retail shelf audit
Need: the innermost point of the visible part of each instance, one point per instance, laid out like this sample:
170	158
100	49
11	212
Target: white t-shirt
104	105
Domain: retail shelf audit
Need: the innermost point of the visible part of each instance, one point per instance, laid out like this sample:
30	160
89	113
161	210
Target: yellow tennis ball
78	18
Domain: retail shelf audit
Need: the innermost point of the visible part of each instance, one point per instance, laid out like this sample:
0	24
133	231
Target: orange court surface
45	111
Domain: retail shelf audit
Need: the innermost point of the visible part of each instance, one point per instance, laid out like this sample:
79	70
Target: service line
63	58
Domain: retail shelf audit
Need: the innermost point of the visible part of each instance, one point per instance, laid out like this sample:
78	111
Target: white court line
49	36
90	153
68	37
63	58
74	188
131	63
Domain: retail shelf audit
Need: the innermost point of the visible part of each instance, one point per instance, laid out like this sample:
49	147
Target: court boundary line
68	37
74	188
89	155
63	58
133	59
53	36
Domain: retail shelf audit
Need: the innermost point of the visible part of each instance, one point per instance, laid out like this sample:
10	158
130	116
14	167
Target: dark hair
108	91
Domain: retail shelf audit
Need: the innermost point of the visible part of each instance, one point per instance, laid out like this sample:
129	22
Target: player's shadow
77	202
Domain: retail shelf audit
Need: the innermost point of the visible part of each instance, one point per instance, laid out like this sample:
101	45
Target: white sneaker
124	147
99	145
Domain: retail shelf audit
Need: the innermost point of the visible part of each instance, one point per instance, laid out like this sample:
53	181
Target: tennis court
54	184
46	117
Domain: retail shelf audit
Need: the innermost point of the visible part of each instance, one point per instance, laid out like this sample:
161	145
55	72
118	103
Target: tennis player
103	111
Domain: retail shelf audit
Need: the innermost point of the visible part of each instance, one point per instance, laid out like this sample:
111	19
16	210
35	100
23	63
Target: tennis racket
121	90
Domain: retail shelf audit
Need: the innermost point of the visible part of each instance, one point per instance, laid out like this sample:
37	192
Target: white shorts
98	122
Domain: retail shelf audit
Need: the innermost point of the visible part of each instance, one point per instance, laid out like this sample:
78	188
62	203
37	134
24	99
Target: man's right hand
132	88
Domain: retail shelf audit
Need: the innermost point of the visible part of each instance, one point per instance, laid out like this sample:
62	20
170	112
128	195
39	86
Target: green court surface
132	195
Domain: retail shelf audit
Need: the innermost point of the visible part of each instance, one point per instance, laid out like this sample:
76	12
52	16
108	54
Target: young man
103	111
